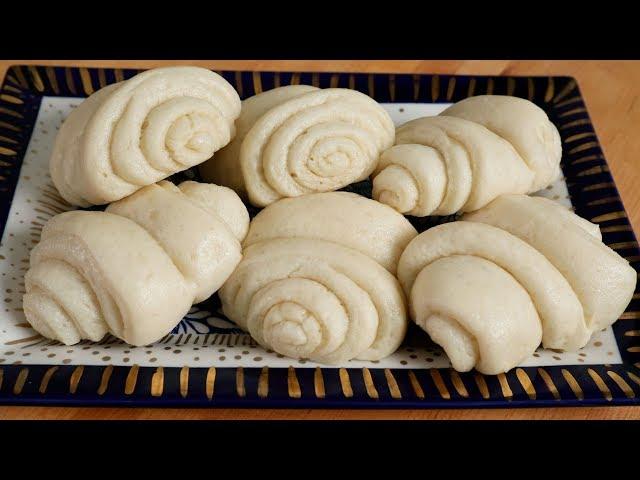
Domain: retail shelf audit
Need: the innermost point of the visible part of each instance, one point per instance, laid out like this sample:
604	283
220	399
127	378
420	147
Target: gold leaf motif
292	384
394	390
104	381
20	381
318	383
526	383
573	384
263	383
368	383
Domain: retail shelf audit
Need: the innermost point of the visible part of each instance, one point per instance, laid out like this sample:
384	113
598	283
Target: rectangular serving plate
205	362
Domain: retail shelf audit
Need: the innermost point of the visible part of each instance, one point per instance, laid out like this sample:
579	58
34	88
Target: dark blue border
591	188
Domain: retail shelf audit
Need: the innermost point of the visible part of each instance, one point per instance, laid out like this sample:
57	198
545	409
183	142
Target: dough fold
299	139
135	269
474	151
136	132
522	270
316	280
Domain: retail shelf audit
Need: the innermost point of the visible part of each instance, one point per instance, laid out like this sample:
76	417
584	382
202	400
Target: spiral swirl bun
137	132
471	153
136	269
521	270
299	139
315	299
317	278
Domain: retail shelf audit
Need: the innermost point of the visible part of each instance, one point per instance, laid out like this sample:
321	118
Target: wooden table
611	91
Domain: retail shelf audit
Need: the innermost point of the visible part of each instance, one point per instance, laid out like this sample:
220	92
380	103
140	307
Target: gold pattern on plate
490	86
257	82
472	88
624	386
104	381
573	384
240	388
7	151
184	382
440	385
526	383
263	383
416	86
368	384
458	384
568	102
157	382
20	76
579	136
451	87
573	111
394	390
11	88
435	87
633	349
37	80
345	383
315	79
550	89
11	99
295	78
593	171
20	381
318	383
9	78
132	379
352	81
68	76
569	87
238	80
74	381
333	83
118	74
600	384
609	216
623	245
10	112
482	385
102	78
85	78
392	87
10	126
598	186
53	81
634	378
603	201
44	384
292	383
276	79
584	146
1	377
504	386
632	333
530	89
511	86
415	384
210	382
8	140
575	123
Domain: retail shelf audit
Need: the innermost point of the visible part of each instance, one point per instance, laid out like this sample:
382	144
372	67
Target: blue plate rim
591	188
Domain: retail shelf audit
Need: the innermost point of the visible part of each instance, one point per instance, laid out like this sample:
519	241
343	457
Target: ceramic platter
206	361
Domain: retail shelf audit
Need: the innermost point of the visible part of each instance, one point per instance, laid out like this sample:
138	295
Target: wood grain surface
611	90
